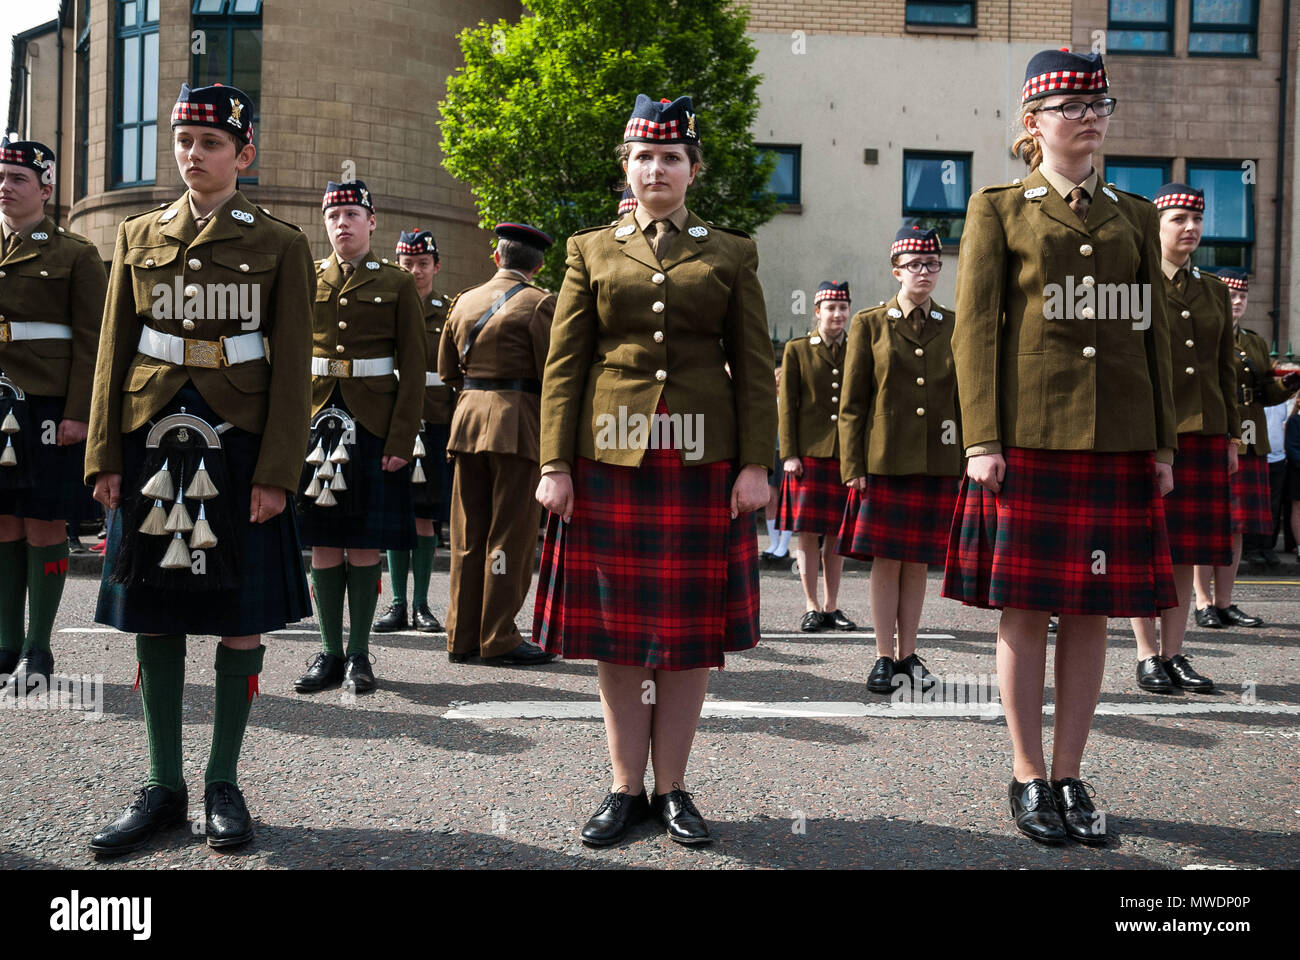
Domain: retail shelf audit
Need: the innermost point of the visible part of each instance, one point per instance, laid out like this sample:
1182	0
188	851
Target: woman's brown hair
694	155
1025	146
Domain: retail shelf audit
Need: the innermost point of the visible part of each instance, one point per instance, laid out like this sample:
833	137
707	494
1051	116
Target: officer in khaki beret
492	353
52	286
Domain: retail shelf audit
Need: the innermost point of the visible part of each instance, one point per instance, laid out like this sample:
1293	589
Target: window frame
227	21
953	213
1164	164
794	150
974	14
1247	246
122	34
1253	31
1141	26
81	183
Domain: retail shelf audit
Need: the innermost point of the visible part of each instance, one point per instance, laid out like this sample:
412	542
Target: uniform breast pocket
245	278
153	271
696	287
42	289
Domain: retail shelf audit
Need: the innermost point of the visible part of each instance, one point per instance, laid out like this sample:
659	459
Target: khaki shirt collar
907	306
24	230
1170	269
508	273
677	218
1063	185
196	214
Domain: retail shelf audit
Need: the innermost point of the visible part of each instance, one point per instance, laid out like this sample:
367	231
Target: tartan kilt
430	497
1034	545
274	589
1198	511
1251	508
374	513
905	518
813	503
651	571
58	489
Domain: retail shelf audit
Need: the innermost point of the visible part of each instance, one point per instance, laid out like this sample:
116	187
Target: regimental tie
1180	279
1079	201
917	316
11	242
347	268
659	239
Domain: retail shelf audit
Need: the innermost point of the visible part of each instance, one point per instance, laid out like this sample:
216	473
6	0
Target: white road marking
828	634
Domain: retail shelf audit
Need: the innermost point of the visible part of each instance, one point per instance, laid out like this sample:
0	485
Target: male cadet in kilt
812	498
198	415
900	452
1198	509
1256	389
492	353
368	360
51	298
1068	415
417	254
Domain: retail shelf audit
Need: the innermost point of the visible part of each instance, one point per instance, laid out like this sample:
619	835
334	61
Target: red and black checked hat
1235	277
915	240
30	154
627	203
219	106
1179	196
351	193
1060	71
668	121
415	242
524	234
830	290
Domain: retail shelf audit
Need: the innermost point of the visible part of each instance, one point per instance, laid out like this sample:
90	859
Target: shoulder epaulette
145	213
731	230
287	223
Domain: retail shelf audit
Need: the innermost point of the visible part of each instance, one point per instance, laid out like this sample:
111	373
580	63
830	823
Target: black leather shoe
357	675
1232	616
812	621
325	671
1082	821
32	673
677	810
1271	560
392	621
527	654
838	621
8	660
881	677
226	821
914	667
1152	676
616	813
1209	617
465	657
1033	805
153	808
1253	558
424	620
1182	675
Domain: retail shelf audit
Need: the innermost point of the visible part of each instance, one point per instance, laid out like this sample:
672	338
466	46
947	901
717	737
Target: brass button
45	273
1088	281
244	267
661	374
659	336
148	261
835	416
920	411
343	324
187	324
835	399
1087	313
379	299
657	306
192	290
339	348
920	381
1086	249
835	386
657	278
1190	343
343	301
1190	371
919	352
835	372
1089	352
2	274
195	263
1187	314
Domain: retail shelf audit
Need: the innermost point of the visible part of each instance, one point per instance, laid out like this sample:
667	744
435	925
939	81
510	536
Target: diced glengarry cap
915	240
415	242
830	290
1235	277
31	154
218	106
523	233
1179	196
1060	71
351	193
668	121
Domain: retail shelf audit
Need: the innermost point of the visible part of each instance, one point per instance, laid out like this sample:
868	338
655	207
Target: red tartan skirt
813	503
1198	511
905	518
1252	511
1072	532
651	571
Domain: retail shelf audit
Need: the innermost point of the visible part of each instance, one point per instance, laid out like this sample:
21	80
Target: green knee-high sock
47	571
237	672
13	593
162	684
363	594
422	566
327	587
399	564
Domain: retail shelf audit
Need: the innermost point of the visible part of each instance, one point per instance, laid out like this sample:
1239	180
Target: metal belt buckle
340	368
5	335
203	353
1247	394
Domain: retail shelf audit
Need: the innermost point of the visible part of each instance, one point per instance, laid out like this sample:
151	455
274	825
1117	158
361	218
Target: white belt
34	331
431	378
330	367
209	354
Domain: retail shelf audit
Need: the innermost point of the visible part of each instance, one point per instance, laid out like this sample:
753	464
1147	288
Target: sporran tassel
9	458
313	488
202	538
340	454
178	521
326	499
155	524
317	456
160	484
201	486
417	475
338	484
177	556
11	423
326	471
419	447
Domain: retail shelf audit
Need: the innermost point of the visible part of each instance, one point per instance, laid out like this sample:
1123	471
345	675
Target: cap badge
690	124
236	108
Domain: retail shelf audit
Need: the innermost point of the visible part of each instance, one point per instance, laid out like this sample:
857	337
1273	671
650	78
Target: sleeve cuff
984	449
556	466
1165	455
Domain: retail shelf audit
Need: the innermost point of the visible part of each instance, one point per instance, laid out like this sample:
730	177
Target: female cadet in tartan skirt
900	452
649	563
51	300
196	424
1068	417
812	497
417	254
1198	510
1251	513
367	390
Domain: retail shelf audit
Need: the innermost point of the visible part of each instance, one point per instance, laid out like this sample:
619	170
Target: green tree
531	121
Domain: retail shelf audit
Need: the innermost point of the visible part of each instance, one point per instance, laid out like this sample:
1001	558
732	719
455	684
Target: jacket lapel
362	274
900	323
179	227
226	224
332	274
1102	207
687	245
633	242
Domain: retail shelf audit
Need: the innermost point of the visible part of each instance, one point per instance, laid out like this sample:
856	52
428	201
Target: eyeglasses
1078	109
916	266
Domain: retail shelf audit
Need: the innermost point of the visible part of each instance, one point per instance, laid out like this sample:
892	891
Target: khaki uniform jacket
438	401
372	314
812	371
242	245
629	328
53	276
1203	356
1091	382
512	345
898	415
1265	390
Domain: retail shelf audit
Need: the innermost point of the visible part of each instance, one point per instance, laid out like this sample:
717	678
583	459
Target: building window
231	53
1140	175
1223	28
785	178
135	139
1140	26
936	187
82	108
1228	235
941	13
